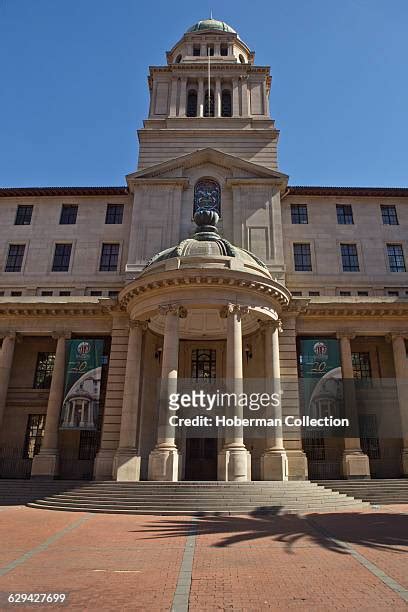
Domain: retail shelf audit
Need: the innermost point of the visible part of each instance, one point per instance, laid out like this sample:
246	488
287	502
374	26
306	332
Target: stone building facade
130	266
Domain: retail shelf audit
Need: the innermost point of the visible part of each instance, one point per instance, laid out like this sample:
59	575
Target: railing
13	464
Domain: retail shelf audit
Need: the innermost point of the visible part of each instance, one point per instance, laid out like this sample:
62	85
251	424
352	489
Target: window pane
62	256
114	214
344	214
15	257
109	258
23	215
299	213
43	370
349	258
34	435
226	106
68	214
302	256
389	215
396	258
192	104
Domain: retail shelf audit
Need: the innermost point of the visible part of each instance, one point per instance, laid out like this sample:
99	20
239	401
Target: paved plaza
337	561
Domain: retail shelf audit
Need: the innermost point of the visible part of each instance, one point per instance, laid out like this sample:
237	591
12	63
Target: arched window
209	104
178	59
210	49
241	59
192	103
207	195
224	49
226	106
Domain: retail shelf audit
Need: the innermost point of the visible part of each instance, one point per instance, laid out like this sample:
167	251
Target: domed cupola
206	248
211	24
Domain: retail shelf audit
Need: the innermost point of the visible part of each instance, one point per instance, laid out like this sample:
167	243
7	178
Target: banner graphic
80	408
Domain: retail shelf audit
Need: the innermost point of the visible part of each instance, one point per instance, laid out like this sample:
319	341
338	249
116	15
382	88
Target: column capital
174	309
349	335
136	324
396	334
61	334
233	309
8	334
271	323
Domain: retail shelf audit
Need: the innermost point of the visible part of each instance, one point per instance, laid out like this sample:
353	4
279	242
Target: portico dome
206	248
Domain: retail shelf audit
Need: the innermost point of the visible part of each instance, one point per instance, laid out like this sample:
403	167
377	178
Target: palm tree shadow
333	531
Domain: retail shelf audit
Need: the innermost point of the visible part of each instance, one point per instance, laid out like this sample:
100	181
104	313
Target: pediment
174	169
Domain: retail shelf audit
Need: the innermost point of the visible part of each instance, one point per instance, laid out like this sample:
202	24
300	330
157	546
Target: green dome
211	24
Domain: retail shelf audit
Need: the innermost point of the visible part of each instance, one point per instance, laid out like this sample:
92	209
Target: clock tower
208	142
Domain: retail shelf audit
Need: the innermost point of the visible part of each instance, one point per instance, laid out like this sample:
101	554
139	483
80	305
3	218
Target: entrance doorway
201	459
201	362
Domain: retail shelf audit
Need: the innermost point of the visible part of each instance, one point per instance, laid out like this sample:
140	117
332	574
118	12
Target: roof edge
18	192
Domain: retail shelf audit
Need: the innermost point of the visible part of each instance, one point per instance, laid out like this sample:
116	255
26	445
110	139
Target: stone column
244	96
46	463
173	98
127	460
274	462
401	375
6	361
355	462
183	98
234	462
164	458
235	98
218	97
200	98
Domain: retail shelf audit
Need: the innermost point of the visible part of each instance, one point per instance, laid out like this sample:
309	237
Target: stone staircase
378	491
178	498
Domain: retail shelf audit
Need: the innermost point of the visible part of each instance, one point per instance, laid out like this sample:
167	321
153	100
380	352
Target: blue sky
74	91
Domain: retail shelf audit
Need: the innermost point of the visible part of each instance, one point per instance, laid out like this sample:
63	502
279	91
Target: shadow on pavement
379	530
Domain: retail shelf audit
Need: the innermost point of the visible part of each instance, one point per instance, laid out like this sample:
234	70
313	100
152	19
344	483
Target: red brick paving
241	563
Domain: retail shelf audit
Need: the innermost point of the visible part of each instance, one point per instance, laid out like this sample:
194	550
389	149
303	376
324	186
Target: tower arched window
178	58
209	104
241	59
226	105
191	103
207	195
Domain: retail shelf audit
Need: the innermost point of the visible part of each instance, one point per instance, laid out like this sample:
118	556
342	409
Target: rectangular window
109	258
15	257
113	294
62	256
396	258
23	215
64	293
68	214
349	258
314	293
362	293
43	370
44	293
114	214
345	293
96	293
393	293
196	51
296	293
389	215
224	50
344	214
34	435
299	214
16	293
361	365
303	257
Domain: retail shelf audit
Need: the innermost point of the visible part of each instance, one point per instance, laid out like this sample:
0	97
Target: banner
321	374
80	408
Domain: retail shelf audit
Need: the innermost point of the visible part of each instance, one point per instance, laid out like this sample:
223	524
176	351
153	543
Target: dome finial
206	221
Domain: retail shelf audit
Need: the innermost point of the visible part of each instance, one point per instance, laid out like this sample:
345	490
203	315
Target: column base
126	465
234	464
103	467
45	464
164	464
356	465
297	465
274	465
404	460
